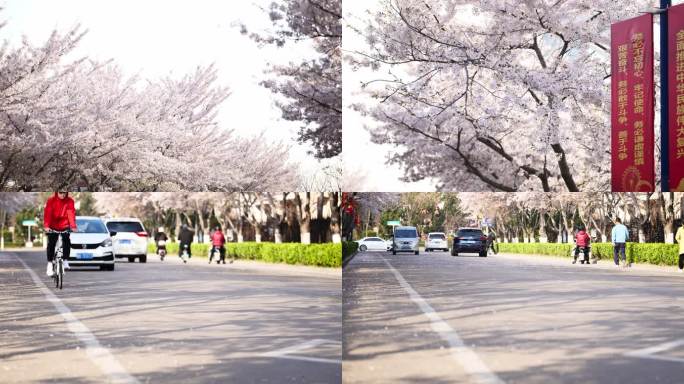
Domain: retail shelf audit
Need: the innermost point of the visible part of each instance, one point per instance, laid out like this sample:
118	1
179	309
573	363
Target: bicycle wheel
60	275
55	274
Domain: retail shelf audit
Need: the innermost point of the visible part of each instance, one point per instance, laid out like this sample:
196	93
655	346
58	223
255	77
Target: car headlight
106	243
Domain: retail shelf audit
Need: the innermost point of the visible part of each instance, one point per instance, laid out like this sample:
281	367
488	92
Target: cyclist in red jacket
218	241
583	240
59	215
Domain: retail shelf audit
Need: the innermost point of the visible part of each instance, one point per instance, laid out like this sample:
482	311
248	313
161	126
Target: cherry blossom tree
84	123
312	88
494	95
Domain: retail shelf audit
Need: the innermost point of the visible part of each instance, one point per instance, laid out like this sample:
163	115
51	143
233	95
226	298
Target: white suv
130	238
436	240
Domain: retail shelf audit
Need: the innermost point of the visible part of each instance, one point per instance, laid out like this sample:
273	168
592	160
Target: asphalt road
509	319
168	323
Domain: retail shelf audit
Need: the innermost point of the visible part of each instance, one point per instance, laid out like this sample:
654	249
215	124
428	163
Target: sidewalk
253	265
604	264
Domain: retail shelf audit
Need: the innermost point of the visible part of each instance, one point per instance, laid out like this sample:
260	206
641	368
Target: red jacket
60	214
217	239
582	239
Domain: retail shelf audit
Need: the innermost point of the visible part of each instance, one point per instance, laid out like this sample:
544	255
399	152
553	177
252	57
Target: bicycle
214	250
57	261
184	255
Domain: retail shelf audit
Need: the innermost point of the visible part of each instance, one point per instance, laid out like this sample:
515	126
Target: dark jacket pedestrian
185	238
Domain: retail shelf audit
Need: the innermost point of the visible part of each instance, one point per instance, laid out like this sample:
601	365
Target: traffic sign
29	223
394	222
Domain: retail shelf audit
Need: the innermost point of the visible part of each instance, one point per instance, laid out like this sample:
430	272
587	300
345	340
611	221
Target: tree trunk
3	217
335	217
278	236
257	232
304	217
542	227
667	206
178	224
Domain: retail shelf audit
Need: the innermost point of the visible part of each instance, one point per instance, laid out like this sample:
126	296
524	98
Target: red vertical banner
675	107
632	105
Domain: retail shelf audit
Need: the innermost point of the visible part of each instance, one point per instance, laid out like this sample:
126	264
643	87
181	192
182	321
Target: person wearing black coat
185	237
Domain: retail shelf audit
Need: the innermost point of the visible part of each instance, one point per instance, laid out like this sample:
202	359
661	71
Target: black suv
469	240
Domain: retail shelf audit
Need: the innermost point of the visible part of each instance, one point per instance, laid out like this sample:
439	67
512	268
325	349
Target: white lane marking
286	353
650	352
98	354
468	359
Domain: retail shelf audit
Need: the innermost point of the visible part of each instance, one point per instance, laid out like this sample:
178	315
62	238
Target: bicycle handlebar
49	230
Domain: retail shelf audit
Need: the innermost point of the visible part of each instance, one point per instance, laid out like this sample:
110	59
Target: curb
348	259
603	264
254	265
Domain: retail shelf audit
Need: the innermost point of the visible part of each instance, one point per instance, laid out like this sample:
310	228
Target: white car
436	240
91	245
130	238
373	244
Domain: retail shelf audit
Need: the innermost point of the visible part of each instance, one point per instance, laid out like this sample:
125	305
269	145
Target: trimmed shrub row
322	255
348	248
651	253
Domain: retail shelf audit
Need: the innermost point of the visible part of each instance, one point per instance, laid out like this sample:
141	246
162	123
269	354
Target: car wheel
131	259
454	253
143	259
363	248
107	267
394	252
483	254
417	252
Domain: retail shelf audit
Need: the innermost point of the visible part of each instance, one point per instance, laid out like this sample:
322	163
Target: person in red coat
59	215
218	241
582	240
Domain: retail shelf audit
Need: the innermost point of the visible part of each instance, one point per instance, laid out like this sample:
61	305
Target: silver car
405	240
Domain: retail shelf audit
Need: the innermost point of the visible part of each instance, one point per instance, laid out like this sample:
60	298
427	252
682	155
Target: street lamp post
664	136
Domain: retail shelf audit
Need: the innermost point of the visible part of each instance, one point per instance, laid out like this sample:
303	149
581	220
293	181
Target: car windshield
470	233
90	226
405	233
124	226
437	236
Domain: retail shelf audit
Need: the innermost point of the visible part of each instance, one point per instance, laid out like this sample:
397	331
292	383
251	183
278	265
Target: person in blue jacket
620	235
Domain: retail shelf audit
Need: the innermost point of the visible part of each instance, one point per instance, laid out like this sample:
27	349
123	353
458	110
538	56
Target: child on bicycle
59	215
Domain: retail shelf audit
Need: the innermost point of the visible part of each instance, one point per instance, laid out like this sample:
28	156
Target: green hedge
348	248
651	253
322	255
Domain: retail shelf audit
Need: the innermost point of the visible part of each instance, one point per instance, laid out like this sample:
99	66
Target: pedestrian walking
619	235
680	239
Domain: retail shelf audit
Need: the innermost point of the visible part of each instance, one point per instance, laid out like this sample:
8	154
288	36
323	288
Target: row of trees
280	217
429	212
524	216
544	217
494	95
304	217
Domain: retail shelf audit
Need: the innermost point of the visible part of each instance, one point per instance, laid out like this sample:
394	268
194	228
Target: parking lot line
98	354
466	357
